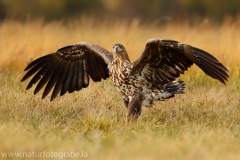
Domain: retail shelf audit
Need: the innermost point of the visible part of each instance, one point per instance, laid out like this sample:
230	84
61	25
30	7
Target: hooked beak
115	49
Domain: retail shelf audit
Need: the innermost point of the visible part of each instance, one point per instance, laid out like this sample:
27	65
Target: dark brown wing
167	59
69	68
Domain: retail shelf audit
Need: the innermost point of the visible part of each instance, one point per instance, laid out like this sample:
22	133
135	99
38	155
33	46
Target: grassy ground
204	123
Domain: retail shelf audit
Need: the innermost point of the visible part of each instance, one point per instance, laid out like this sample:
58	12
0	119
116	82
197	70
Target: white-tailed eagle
151	77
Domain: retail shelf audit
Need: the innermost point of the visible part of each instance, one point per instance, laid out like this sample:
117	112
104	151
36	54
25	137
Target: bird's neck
121	55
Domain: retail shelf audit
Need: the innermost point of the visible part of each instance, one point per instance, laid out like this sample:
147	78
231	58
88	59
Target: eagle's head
120	51
118	48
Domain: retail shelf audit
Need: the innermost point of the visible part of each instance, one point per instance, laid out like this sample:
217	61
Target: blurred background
144	10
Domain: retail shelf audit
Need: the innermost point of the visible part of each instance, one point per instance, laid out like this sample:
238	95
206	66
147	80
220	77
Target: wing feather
85	74
80	76
98	71
38	76
43	81
209	64
50	85
73	81
33	70
61	80
161	77
35	62
44	74
170	58
103	71
92	68
68	69
74	84
173	72
59	83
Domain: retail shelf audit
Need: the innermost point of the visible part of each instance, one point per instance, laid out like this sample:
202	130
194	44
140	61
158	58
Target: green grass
203	123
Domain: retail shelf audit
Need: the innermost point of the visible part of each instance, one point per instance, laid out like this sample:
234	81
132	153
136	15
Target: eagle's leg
134	107
126	102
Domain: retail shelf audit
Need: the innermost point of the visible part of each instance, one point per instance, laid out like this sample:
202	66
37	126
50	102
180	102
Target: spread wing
163	61
69	68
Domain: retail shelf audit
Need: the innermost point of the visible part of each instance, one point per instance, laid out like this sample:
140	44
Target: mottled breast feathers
69	68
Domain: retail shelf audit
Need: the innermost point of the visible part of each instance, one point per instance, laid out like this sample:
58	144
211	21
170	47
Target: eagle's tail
177	87
169	90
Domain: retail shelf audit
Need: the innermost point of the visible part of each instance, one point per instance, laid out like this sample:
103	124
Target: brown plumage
68	69
171	58
152	76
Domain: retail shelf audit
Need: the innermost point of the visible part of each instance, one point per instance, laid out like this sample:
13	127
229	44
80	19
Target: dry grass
204	123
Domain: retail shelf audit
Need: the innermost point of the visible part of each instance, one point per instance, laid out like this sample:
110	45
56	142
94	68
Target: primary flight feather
151	77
